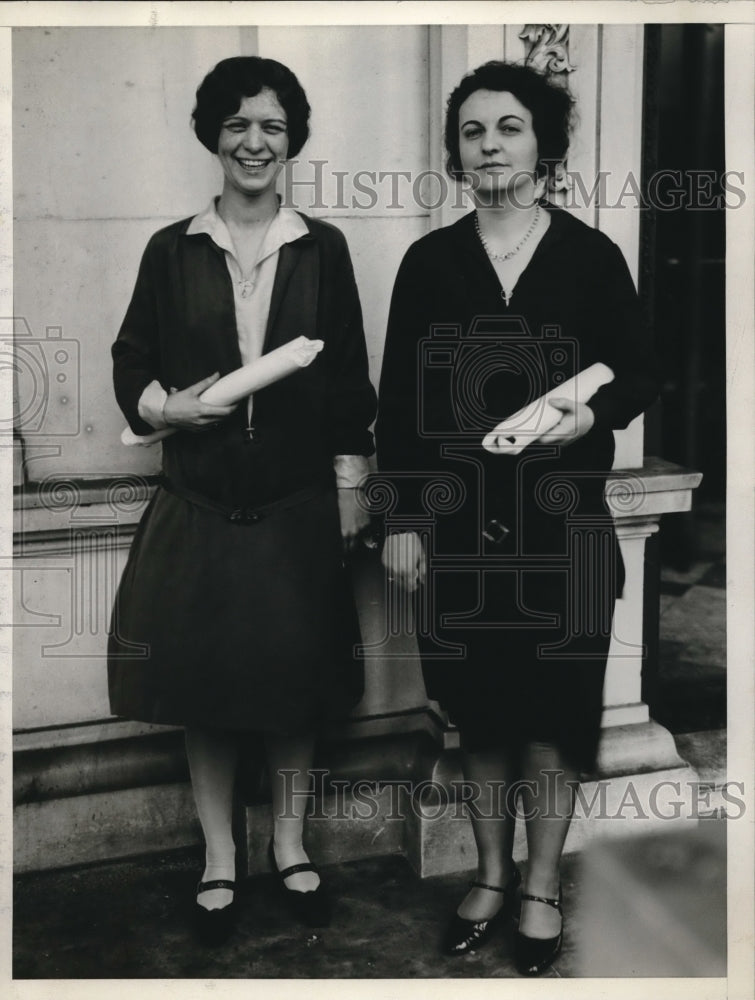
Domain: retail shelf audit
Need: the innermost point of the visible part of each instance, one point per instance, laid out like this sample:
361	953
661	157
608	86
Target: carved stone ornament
547	47
547	50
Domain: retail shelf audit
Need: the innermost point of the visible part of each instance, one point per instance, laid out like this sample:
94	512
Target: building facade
119	161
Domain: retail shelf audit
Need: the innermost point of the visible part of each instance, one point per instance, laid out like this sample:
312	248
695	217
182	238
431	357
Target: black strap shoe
464	936
533	955
313	909
214	927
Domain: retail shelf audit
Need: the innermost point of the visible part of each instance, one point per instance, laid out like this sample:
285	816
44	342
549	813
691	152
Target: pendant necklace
247	285
506	296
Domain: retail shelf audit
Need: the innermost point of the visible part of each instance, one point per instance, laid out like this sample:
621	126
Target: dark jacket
458	360
180	327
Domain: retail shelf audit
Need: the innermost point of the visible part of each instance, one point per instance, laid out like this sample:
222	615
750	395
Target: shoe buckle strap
217	883
306	866
555	903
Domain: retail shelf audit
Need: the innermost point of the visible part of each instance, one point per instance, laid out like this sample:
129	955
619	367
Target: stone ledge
113	766
85	760
97	731
367	750
73	492
658	487
93	802
48	511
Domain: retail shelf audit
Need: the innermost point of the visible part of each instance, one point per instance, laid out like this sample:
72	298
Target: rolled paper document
535	419
237	385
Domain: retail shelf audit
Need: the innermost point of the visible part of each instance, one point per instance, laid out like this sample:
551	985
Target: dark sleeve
352	400
624	344
403	453
136	351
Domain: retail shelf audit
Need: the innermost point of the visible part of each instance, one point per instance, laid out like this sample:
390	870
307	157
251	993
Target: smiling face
252	143
497	144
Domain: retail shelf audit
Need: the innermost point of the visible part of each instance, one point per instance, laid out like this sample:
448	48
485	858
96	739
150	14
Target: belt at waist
250	514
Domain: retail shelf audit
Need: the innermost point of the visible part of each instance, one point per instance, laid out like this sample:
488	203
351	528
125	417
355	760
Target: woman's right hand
404	560
183	408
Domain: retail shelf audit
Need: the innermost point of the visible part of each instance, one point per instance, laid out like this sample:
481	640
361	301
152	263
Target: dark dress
235	609
514	621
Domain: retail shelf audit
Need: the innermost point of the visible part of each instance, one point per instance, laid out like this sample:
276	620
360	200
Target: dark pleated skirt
246	627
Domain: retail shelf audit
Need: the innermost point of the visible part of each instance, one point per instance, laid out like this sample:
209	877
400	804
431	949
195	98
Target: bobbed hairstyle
220	94
550	104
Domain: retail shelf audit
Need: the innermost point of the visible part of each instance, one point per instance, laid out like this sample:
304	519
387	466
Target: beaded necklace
514	250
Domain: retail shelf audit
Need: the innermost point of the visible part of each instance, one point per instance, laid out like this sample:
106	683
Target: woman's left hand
354	518
576	421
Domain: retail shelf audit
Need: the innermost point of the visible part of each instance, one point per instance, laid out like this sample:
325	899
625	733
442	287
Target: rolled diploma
232	388
535	419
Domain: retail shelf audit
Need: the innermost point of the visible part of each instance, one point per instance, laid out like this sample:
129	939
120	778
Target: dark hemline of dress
246	627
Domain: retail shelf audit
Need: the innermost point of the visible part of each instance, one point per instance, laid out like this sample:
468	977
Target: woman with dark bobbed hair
521	567
234	613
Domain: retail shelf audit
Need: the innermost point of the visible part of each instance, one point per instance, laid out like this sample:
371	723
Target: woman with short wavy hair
521	572
234	614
